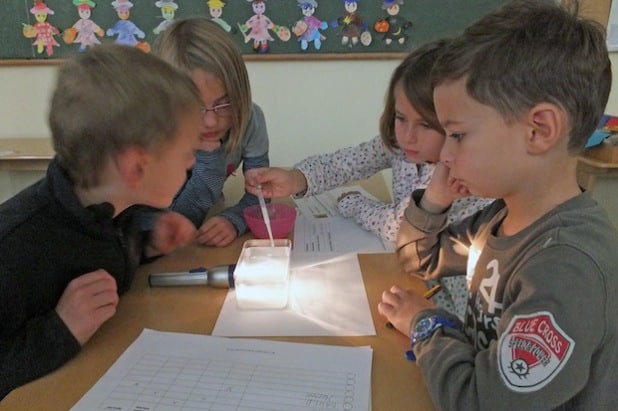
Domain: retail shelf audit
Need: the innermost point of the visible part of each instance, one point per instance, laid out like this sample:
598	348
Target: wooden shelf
25	154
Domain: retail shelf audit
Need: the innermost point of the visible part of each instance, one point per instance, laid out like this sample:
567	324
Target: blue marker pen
220	276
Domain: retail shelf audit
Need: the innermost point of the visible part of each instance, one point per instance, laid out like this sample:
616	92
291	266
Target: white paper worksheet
319	228
324	205
335	235
163	371
327	298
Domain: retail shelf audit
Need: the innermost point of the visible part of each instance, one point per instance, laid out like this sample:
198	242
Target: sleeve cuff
349	206
421	219
237	221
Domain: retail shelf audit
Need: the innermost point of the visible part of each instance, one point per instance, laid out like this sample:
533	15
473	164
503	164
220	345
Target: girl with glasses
233	130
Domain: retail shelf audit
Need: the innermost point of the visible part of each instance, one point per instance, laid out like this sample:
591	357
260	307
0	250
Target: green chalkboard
422	20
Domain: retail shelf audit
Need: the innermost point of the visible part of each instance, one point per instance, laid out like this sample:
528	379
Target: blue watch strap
425	328
410	356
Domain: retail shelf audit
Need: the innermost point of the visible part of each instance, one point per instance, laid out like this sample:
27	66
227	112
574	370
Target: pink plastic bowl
282	218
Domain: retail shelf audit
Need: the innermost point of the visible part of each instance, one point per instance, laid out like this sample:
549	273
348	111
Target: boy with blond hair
518	93
124	127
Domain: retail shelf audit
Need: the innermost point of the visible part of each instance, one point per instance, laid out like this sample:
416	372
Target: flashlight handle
193	277
220	276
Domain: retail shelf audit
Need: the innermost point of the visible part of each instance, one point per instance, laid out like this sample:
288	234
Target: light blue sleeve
254	155
203	188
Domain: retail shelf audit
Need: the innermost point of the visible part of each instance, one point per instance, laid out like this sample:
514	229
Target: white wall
310	106
612	104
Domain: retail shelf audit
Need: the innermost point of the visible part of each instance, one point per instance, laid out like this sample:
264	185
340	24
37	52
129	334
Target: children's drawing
125	28
308	29
256	28
393	26
168	11
42	31
85	31
352	27
215	9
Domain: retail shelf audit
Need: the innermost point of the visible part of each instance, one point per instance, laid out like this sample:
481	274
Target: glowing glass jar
262	274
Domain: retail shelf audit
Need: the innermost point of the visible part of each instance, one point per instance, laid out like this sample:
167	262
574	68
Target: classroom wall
311	106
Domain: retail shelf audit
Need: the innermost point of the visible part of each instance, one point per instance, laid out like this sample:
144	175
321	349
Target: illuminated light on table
262	275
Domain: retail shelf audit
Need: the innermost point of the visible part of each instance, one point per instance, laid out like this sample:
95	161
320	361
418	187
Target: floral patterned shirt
326	171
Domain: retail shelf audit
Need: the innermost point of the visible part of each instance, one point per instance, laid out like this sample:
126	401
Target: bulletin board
39	31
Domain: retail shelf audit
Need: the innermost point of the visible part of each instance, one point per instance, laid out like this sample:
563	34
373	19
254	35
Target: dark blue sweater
46	240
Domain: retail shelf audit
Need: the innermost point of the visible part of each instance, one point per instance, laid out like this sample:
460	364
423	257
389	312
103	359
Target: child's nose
410	134
446	153
210	118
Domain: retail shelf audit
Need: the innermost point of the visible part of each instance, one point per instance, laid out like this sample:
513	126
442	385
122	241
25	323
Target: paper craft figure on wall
308	29
352	26
393	26
256	28
168	12
42	31
125	28
215	9
85	31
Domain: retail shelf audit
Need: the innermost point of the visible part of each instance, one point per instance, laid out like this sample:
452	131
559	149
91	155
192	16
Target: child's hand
216	231
171	230
87	302
399	307
346	194
349	204
276	182
442	190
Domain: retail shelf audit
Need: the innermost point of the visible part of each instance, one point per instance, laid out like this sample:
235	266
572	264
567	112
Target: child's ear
547	127
131	165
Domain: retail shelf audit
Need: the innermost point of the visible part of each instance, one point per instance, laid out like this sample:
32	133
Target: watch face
425	325
424	328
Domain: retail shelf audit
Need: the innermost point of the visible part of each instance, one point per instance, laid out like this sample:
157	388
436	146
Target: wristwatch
425	328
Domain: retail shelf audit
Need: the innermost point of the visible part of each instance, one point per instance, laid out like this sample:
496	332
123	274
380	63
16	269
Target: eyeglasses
221	110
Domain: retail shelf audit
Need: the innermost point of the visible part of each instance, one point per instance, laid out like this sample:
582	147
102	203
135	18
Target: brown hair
112	97
413	75
533	51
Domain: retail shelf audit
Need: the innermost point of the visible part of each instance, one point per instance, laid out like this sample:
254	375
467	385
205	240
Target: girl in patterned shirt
409	143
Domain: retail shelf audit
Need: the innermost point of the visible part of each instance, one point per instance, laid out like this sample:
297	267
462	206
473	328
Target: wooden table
25	154
397	384
590	169
601	180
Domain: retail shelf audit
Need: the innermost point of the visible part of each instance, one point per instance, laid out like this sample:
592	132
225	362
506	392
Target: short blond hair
199	43
112	97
